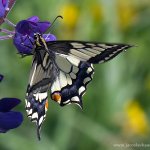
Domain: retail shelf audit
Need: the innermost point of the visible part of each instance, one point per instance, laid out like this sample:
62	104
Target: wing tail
36	107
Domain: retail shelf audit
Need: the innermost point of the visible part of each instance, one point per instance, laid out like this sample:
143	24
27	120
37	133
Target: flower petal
49	37
5	3
10	120
32	25
1	77
34	19
26	27
43	26
5	7
6	104
2	9
23	43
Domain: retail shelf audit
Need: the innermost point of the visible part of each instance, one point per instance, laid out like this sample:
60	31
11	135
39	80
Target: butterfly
64	68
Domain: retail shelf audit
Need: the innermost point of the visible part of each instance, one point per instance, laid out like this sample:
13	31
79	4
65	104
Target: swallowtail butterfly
65	68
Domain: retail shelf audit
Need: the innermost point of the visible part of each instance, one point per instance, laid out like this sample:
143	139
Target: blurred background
117	103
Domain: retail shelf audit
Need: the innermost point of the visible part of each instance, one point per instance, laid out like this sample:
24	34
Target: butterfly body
64	68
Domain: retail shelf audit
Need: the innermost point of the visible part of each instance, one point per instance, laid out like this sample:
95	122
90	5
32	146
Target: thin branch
7	31
9	22
6	37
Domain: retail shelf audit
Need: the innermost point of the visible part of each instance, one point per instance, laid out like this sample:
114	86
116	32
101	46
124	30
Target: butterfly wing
91	52
66	69
71	82
39	82
74	61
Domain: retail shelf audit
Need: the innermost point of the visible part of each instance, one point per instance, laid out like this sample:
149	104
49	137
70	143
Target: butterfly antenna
54	21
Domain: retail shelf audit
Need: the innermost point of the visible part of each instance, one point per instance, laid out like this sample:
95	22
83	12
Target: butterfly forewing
91	52
39	82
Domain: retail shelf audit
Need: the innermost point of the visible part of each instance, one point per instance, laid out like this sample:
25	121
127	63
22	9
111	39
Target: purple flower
9	119
5	7
49	37
24	34
31	26
1	77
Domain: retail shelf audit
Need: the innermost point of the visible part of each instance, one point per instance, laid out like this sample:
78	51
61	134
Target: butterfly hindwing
72	80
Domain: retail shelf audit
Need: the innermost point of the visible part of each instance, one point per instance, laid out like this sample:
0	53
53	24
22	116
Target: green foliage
104	121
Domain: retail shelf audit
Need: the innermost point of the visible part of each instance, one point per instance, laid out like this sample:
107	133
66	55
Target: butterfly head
39	41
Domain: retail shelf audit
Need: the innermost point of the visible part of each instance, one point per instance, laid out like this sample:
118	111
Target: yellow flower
126	13
96	12
136	120
70	14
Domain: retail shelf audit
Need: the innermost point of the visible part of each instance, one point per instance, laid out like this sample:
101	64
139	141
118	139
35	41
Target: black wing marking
39	82
71	82
91	52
